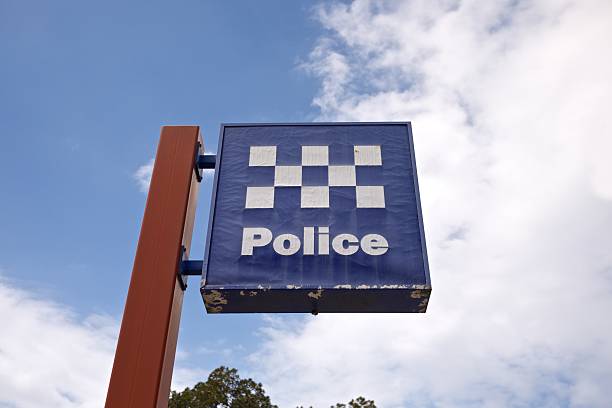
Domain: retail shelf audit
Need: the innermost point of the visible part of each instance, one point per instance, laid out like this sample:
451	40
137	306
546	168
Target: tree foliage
225	389
358	402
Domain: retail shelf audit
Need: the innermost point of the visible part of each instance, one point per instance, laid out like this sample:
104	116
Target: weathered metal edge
319	300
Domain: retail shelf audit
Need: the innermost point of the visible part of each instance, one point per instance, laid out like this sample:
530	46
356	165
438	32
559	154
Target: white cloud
143	175
183	377
184	374
510	108
48	356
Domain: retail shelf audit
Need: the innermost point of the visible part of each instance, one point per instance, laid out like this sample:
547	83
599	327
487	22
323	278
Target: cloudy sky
510	107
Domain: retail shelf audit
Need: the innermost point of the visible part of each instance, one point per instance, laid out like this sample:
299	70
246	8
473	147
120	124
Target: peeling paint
411	298
399	286
416	294
215	298
316	295
423	305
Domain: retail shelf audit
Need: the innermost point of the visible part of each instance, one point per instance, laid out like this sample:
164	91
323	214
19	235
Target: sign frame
397	299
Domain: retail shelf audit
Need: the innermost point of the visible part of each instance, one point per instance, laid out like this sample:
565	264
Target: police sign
318	217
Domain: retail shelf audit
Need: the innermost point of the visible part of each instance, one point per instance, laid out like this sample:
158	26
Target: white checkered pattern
315	196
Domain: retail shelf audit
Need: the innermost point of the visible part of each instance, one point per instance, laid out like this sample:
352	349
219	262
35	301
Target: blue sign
316	217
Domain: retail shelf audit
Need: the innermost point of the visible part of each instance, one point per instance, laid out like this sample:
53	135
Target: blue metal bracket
196	169
203	161
187	268
191	267
207	161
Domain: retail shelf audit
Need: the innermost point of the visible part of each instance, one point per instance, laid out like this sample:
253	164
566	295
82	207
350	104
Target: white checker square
315	197
262	156
259	197
287	176
370	197
368	156
315	156
341	176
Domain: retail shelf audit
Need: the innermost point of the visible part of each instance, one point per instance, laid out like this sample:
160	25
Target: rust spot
215	298
316	295
423	305
416	294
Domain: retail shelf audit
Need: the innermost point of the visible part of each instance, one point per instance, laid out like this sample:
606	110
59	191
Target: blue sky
509	103
86	88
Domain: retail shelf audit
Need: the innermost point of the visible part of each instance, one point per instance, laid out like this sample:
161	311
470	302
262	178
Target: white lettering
289	244
340	239
254	237
309	241
279	244
374	244
323	241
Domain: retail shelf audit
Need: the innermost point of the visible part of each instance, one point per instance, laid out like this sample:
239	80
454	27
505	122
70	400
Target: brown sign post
142	371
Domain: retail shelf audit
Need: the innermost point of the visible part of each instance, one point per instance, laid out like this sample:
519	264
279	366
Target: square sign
317	217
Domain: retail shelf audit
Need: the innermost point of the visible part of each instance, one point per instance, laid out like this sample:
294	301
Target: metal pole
142	371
